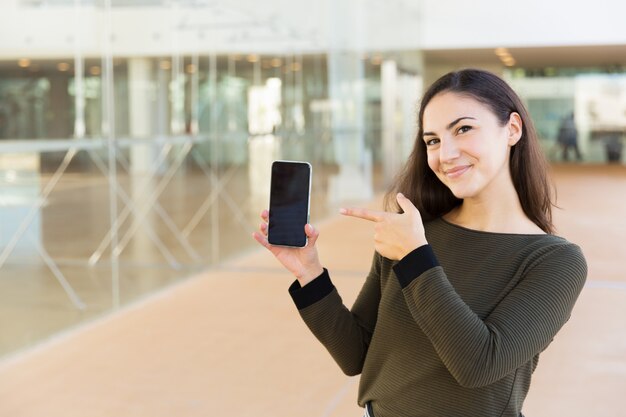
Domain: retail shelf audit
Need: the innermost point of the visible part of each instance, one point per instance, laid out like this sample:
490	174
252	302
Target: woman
468	283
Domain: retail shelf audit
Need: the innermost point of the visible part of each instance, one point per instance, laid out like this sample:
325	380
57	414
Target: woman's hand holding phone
303	262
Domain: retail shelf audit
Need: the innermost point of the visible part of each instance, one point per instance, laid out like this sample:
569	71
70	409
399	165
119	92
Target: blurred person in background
468	283
568	137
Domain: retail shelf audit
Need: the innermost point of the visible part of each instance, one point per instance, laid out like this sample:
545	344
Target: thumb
312	234
406	205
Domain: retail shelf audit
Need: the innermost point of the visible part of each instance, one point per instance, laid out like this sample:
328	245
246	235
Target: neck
498	211
477	214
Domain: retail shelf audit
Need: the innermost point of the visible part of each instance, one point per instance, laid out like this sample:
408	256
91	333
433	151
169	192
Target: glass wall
124	174
590	102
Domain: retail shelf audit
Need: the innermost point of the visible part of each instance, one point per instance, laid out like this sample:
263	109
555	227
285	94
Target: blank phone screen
289	203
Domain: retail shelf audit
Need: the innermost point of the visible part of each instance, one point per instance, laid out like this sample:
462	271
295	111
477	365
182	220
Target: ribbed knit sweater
455	328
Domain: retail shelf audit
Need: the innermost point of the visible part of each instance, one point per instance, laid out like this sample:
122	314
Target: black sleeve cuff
415	264
312	292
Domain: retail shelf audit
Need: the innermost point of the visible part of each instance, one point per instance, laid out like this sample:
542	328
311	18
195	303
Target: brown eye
464	129
431	142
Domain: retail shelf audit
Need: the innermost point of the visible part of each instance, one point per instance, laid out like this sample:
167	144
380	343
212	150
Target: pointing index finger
362	213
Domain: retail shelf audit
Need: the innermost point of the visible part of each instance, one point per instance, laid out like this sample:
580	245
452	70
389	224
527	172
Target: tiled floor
229	341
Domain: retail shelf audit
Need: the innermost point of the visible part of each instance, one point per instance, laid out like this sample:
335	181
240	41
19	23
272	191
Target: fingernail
343	210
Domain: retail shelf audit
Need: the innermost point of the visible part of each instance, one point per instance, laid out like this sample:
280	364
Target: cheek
433	161
497	154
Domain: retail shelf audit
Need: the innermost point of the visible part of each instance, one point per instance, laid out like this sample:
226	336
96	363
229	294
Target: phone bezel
308	210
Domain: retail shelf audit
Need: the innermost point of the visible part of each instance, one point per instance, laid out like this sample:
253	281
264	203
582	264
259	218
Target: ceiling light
165	65
502	52
276	62
95	70
24	62
253	58
63	66
505	56
191	68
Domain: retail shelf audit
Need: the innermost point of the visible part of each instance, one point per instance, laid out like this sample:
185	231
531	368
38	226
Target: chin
462	193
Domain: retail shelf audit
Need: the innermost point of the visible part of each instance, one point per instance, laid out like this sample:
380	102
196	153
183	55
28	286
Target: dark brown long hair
527	163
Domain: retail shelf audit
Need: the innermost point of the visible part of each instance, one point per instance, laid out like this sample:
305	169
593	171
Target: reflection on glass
264	107
19	192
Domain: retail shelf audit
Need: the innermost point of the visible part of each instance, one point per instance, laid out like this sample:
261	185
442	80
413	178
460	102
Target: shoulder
562	261
557	247
525	253
552	247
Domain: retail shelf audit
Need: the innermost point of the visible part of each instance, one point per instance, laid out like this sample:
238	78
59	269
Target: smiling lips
456	172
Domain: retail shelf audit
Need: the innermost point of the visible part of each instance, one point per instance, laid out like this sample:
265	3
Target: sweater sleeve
346	333
479	352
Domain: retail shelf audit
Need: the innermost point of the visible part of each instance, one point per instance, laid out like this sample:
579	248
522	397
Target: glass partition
591	101
124	173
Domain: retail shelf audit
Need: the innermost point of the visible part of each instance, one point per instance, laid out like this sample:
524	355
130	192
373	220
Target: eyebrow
450	125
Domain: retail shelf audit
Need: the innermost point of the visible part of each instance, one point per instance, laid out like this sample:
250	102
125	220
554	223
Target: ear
515	128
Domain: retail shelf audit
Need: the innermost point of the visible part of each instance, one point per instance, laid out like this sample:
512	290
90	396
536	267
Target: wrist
414	264
411	248
309	274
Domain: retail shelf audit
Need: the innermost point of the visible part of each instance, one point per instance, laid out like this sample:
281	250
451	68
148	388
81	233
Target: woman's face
467	147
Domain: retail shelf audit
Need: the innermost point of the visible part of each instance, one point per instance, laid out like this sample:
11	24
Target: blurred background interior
136	135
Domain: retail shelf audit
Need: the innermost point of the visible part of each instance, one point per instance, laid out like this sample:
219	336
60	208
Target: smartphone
290	195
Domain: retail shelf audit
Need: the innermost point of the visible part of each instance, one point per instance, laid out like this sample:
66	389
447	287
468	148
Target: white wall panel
492	23
275	26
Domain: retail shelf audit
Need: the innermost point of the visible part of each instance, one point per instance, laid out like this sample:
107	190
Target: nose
448	150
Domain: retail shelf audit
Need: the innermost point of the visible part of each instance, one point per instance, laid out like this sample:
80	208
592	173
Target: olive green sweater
453	329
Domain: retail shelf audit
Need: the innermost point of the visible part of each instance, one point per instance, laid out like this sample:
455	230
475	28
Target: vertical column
400	92
389	84
161	124
60	125
346	93
80	127
215	160
143	155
